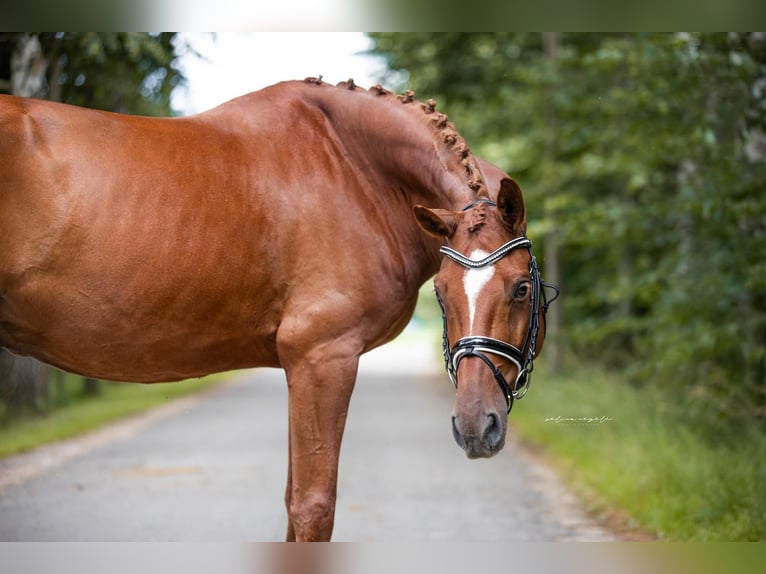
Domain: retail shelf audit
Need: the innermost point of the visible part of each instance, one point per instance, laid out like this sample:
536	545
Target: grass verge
627	455
115	401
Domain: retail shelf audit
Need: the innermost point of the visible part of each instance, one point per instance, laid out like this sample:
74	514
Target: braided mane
478	217
437	121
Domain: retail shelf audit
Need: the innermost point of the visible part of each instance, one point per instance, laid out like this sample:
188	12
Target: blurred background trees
129	72
642	160
124	72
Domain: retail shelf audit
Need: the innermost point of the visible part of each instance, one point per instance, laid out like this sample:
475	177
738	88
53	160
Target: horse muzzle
480	436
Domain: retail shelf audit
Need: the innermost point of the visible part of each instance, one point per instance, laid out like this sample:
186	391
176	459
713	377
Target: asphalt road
213	468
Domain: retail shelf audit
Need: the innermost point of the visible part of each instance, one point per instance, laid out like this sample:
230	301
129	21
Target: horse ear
437	222
510	202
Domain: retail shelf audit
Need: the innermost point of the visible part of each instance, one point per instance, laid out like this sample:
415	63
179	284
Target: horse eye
521	291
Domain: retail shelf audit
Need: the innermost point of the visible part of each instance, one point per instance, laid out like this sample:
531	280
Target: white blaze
474	281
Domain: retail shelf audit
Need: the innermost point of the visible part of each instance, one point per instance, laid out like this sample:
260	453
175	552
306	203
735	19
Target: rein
479	346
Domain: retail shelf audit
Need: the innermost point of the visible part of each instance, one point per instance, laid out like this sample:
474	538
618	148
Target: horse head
494	306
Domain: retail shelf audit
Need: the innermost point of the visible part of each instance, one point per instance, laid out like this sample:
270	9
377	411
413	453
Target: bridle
478	346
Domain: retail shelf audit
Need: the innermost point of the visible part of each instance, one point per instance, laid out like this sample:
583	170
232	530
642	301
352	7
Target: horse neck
405	145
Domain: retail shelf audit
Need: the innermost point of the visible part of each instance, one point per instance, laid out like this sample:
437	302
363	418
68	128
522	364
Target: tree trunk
91	387
28	67
54	73
552	264
23	384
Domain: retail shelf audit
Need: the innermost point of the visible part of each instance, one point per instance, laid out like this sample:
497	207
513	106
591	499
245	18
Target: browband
490	259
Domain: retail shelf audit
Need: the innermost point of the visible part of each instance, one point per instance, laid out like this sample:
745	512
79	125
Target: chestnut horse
274	230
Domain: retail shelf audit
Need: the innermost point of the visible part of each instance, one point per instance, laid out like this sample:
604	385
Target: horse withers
274	230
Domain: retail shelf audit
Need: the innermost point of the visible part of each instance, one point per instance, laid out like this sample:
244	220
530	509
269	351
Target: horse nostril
492	430
456	434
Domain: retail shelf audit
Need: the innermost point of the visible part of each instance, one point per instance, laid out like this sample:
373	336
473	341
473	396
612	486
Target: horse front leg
320	386
290	536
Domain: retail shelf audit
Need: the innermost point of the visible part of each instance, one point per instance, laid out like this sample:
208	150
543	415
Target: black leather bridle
480	347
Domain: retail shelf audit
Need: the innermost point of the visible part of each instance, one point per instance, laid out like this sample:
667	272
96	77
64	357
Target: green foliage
646	153
129	72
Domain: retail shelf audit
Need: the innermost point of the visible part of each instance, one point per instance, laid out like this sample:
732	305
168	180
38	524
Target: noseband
478	346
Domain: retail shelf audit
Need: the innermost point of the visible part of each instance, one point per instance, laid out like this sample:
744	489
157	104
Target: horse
285	228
